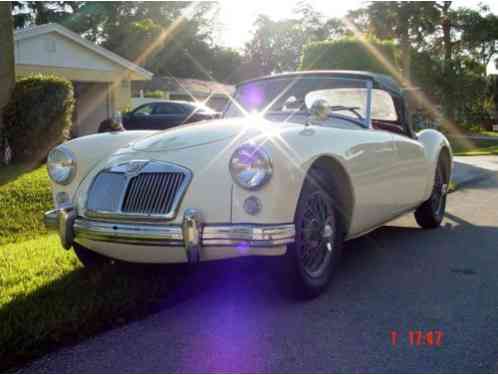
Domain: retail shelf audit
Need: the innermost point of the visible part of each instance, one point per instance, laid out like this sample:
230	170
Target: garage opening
93	105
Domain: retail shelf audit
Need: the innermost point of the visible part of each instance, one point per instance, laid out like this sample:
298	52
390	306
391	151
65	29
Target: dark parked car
166	114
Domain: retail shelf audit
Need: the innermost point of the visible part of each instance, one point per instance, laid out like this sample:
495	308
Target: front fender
92	149
293	151
434	142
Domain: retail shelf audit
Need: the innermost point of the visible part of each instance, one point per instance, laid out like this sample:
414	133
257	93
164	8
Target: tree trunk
405	56
7	65
447	67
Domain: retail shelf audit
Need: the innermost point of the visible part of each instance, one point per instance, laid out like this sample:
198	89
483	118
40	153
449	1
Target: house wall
53	49
101	86
121	93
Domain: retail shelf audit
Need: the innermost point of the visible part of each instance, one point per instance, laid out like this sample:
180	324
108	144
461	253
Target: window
144	110
288	93
383	108
296	94
167	109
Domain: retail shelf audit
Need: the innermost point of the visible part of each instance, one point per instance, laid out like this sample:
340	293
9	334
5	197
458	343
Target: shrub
158	94
38	116
348	54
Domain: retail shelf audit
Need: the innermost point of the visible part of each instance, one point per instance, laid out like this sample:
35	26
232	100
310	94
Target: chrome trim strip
117	231
368	117
249	232
148	167
252	235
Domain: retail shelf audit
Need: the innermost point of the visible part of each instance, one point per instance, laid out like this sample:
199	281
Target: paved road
237	316
468	169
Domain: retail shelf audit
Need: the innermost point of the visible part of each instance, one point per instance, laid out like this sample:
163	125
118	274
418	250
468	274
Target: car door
139	118
370	163
167	115
410	168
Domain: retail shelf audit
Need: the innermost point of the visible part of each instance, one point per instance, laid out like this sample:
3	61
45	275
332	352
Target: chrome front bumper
192	234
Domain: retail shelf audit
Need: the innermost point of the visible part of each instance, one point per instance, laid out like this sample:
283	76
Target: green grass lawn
488	133
472	147
22	203
481	151
46	298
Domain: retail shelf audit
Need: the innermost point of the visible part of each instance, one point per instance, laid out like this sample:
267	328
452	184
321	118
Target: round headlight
61	165
250	166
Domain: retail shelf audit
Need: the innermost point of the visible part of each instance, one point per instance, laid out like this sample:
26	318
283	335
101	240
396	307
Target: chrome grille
152	193
153	190
106	192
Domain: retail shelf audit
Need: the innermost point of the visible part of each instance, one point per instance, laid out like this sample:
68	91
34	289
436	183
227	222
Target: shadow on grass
12	172
81	304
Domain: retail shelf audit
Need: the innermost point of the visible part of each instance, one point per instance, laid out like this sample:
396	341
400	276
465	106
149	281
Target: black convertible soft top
380	81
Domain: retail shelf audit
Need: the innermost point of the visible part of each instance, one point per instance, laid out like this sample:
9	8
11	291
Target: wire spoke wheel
316	235
437	193
430	214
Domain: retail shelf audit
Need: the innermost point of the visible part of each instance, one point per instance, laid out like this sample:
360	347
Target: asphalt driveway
240	316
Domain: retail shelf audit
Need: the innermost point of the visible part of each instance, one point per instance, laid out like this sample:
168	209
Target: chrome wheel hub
327	231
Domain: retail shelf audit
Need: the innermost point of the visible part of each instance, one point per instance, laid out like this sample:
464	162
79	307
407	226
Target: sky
237	16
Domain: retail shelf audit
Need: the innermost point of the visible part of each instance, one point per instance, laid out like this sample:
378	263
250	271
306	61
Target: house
492	66
214	93
101	79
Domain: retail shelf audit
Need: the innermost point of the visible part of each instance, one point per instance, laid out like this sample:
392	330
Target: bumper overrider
192	234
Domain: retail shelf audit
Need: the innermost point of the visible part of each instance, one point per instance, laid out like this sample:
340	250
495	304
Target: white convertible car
300	163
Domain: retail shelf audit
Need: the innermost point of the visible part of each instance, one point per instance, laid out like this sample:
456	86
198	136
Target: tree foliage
276	46
349	54
436	45
443	50
404	21
167	38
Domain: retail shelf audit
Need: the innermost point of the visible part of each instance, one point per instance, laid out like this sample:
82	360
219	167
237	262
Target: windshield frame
366	80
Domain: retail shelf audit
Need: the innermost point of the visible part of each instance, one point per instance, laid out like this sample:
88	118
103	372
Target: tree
167	38
276	46
404	21
7	65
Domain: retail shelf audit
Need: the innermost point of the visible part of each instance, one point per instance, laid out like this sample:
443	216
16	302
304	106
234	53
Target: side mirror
138	114
319	110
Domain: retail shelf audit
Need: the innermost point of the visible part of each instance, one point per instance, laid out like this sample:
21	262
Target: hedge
348	54
38	116
158	94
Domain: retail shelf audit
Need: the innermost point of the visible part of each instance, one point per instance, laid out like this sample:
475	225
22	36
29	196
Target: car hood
197	134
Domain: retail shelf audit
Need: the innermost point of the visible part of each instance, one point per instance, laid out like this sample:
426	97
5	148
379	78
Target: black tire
430	214
90	259
319	238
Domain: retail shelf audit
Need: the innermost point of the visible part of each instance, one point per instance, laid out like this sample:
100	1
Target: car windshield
345	96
